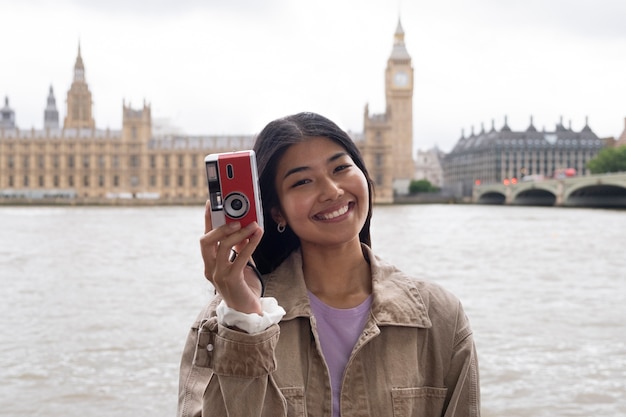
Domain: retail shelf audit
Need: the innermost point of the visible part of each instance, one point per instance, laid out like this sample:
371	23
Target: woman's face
323	195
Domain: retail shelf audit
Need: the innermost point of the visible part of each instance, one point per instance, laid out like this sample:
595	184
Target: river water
96	303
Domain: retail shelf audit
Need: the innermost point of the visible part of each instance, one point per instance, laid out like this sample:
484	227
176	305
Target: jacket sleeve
228	373
462	380
192	379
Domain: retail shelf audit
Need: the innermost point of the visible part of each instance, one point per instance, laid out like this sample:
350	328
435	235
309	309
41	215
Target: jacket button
209	347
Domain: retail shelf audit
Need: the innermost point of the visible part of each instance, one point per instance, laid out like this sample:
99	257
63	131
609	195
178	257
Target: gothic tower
51	114
387	145
399	98
7	116
79	103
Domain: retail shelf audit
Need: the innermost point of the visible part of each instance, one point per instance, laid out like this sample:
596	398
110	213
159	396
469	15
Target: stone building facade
387	140
428	166
78	161
621	140
505	155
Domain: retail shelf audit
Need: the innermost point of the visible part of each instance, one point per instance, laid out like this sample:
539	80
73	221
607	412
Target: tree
421	186
608	160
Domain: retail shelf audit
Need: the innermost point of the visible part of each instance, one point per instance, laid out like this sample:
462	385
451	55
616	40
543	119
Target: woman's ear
277	216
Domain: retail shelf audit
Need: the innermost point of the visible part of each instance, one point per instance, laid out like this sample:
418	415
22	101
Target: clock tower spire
399	98
79	103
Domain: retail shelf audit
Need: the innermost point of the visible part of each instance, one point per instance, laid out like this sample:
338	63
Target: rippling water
96	303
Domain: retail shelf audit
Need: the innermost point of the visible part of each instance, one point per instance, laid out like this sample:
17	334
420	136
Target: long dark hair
270	146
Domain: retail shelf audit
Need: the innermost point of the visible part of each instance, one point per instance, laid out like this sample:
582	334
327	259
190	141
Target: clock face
400	79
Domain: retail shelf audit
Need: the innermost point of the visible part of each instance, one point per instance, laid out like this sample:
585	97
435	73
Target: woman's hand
239	286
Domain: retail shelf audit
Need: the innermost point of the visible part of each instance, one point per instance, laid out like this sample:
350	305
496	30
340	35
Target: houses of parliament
75	161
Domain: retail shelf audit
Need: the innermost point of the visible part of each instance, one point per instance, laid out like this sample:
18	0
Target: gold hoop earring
281	227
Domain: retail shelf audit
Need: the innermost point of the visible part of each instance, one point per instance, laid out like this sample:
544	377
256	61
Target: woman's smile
320	187
334	214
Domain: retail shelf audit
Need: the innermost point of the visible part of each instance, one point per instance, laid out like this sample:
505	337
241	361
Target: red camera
234	192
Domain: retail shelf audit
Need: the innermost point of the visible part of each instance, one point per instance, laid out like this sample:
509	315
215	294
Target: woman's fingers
210	241
244	240
229	277
216	246
208	225
246	248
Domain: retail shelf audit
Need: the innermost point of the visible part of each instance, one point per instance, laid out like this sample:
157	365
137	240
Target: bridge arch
603	190
534	197
492	197
535	194
607	192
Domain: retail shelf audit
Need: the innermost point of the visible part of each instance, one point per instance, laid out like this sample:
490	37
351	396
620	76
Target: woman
338	332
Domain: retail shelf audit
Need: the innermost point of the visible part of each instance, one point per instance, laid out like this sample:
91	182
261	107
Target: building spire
51	114
399	49
399	35
79	67
7	115
559	126
506	127
586	128
531	127
79	102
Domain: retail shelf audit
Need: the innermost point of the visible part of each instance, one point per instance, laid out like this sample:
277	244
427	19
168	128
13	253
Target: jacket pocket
295	401
420	401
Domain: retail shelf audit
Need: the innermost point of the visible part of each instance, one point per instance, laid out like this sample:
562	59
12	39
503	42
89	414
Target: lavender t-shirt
338	330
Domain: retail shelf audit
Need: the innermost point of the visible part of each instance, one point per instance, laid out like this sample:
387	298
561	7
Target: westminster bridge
603	190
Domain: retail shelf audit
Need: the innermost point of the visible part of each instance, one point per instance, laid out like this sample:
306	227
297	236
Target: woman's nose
330	190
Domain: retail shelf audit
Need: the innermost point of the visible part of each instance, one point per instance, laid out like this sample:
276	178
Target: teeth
335	213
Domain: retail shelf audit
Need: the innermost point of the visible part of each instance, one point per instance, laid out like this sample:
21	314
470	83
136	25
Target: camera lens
236	205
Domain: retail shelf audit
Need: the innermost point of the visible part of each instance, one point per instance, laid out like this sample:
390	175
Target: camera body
234	191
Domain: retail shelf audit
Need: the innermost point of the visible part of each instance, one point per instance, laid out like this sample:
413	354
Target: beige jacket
415	357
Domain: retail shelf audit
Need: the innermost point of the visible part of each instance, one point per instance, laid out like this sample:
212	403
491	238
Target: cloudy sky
231	66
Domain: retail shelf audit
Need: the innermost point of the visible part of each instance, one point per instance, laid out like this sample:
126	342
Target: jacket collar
396	298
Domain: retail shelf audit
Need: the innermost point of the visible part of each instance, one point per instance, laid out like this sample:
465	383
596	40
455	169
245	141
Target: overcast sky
229	67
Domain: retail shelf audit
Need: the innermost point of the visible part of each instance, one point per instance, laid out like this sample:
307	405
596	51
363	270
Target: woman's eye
342	167
300	182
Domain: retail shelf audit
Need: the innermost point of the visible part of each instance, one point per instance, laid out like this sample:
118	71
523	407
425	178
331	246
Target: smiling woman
323	195
338	328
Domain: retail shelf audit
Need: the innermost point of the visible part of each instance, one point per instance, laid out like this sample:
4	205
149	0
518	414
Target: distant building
78	160
51	114
428	166
387	140
621	141
7	116
495	156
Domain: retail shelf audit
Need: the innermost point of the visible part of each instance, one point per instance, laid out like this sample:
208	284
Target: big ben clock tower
387	146
399	97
